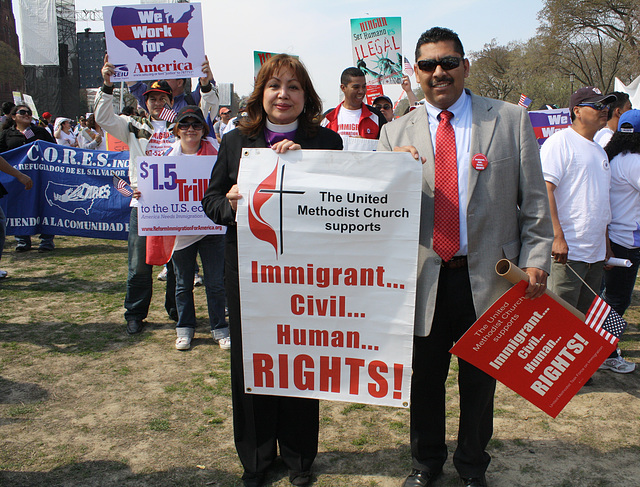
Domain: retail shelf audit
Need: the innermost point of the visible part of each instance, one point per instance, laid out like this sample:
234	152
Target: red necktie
446	220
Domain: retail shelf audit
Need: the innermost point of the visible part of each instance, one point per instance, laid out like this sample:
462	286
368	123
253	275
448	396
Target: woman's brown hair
311	114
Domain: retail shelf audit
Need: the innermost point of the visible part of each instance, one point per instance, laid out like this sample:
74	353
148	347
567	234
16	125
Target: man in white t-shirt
577	174
617	108
353	118
220	126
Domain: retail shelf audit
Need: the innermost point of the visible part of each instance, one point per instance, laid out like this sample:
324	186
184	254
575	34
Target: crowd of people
563	211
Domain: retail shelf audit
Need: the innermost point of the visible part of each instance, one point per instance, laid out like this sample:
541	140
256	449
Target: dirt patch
83	404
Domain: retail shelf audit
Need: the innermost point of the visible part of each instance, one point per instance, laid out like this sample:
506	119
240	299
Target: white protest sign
163	41
172	188
328	246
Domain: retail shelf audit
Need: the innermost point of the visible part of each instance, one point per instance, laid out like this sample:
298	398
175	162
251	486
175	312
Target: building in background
11	72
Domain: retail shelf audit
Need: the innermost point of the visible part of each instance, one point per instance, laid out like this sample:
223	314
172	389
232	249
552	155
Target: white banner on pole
39	33
328	245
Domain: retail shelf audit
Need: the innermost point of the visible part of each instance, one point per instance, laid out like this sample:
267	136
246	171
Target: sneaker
183	343
197	280
3	274
163	274
619	365
224	343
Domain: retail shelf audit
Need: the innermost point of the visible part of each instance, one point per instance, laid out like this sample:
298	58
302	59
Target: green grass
159	424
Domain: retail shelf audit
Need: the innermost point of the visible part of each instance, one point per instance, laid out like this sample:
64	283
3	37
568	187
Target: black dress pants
454	314
263	422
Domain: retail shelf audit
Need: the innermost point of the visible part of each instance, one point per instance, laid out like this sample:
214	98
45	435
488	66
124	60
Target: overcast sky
319	31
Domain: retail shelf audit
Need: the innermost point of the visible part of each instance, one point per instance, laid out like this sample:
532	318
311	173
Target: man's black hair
347	74
439	34
621	101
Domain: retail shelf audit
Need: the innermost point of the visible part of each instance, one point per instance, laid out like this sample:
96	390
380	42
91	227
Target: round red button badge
479	162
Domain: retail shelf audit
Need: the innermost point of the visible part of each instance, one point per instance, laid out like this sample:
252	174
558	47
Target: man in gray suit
483	199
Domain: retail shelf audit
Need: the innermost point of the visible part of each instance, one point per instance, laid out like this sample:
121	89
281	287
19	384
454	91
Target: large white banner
172	188
162	41
328	245
632	89
38	32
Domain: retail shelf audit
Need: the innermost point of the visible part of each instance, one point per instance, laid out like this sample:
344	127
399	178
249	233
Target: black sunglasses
382	107
186	125
23	112
595	106
447	63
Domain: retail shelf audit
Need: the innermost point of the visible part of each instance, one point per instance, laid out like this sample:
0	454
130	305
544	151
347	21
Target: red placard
373	92
536	348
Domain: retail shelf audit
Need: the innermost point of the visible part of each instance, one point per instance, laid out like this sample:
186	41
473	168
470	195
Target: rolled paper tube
514	275
615	261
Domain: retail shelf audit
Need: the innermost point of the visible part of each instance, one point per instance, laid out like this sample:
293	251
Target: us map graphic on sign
151	32
327	253
154	41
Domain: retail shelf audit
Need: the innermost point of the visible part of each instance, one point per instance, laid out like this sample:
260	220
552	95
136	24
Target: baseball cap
46	115
224	110
160	86
629	122
190	111
383	97
590	94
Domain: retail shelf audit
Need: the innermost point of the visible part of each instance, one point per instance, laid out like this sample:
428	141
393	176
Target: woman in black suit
283	113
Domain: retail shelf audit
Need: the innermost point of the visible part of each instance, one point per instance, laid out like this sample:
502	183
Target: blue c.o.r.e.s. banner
72	194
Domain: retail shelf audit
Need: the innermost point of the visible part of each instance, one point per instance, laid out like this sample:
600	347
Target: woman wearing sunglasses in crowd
191	132
17	131
283	113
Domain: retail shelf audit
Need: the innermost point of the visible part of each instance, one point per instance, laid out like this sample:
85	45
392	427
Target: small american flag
167	114
407	67
121	186
28	133
525	101
605	321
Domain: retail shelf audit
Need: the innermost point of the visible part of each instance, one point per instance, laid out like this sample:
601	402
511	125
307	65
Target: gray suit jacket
507	211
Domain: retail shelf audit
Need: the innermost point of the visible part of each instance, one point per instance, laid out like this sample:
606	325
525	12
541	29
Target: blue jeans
46	241
619	281
140	277
211	249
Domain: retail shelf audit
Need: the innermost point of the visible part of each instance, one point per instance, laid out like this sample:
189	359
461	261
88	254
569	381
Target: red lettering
303	380
375	367
283	362
263	370
354	375
330	372
297	304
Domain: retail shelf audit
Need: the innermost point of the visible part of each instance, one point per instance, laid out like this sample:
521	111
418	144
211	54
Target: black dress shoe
299	478
421	478
474	481
253	479
134	326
